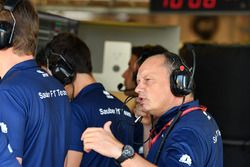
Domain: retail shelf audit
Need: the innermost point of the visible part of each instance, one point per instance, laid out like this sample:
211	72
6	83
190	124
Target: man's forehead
152	64
156	60
148	68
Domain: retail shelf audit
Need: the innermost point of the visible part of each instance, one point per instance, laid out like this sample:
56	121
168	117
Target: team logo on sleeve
186	159
44	74
107	94
3	127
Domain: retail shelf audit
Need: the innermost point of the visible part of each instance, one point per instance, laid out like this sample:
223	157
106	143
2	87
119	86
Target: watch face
128	151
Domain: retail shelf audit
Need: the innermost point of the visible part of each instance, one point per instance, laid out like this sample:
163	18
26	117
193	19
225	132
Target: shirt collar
90	87
167	116
20	66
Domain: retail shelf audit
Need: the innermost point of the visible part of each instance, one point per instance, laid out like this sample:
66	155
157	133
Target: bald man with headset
184	133
129	75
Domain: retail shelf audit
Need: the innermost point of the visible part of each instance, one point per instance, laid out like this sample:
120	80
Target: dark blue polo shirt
6	157
194	141
93	107
34	113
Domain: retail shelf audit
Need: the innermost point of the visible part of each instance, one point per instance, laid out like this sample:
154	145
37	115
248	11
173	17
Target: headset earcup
5	33
179	83
63	73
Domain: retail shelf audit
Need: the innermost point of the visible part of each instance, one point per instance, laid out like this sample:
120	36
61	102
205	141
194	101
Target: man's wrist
127	152
118	151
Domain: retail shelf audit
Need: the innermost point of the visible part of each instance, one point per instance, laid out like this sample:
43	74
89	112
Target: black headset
6	28
61	69
181	78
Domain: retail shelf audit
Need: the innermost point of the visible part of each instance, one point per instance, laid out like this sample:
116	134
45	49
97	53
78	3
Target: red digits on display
165	3
174	4
209	4
192	4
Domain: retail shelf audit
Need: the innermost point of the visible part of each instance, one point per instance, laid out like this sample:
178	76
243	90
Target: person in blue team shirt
35	107
7	157
70	62
184	133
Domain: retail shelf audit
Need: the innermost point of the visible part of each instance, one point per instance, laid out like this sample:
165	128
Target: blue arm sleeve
12	119
78	125
184	149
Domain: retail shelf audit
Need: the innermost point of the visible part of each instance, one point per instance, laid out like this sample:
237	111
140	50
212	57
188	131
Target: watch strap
123	156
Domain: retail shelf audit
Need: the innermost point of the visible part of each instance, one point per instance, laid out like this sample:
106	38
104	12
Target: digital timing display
199	5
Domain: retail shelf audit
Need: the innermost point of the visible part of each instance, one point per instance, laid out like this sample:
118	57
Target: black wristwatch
127	152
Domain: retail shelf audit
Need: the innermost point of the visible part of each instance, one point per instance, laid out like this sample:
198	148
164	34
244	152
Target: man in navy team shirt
34	106
70	62
184	133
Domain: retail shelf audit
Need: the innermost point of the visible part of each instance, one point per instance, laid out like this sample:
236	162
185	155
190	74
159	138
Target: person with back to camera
130	83
70	62
34	106
184	134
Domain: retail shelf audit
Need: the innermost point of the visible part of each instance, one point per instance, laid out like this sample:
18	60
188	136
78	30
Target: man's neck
81	81
177	102
8	59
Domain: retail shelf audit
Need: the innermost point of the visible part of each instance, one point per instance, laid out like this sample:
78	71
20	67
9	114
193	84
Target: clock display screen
199	5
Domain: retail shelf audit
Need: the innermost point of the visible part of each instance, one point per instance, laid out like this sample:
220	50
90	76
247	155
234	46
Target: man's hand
102	141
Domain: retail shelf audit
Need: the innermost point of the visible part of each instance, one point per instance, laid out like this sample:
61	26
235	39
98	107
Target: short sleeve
184	148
